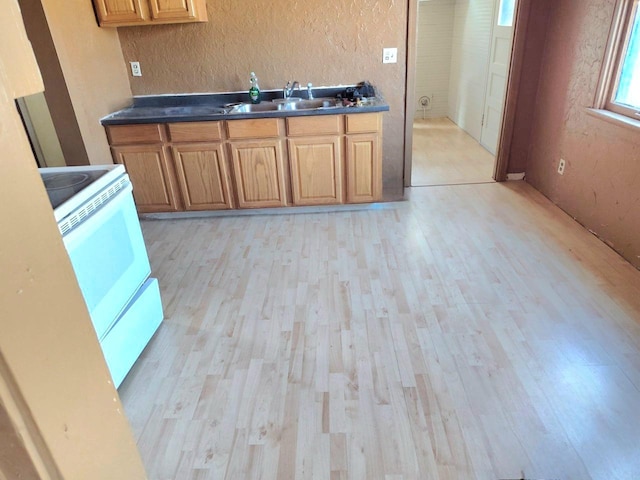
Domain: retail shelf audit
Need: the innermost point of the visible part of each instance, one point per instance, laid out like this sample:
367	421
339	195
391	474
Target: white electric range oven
97	218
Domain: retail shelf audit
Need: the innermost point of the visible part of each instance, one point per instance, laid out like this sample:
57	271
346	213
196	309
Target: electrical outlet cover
389	55
561	166
135	69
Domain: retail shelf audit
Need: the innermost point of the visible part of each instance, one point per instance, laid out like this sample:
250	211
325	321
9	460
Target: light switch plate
135	69
389	55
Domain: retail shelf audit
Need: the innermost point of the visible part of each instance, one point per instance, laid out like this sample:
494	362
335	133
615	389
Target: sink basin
254	107
309	104
289	105
194	110
286	100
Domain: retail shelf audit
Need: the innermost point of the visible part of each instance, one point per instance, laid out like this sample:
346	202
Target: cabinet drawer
134	134
363	122
254	128
195	132
317	125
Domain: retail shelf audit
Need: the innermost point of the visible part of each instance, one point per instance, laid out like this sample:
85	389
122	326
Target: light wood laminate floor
444	154
472	332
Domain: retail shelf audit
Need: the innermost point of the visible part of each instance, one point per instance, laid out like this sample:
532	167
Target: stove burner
64	180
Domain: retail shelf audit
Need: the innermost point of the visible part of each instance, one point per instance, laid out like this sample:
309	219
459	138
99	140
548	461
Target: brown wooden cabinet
363	168
252	163
120	13
151	175
178	166
316	170
363	157
258	162
203	176
201	165
315	159
258	168
141	149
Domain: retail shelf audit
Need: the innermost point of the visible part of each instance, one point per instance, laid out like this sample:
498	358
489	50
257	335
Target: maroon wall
601	183
536	29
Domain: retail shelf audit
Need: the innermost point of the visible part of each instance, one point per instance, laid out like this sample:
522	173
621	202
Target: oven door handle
95	220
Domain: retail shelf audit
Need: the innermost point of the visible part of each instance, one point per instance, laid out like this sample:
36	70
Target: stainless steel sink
254	107
310	104
186	111
290	105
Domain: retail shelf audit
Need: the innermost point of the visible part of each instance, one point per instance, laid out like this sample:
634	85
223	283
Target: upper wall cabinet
120	13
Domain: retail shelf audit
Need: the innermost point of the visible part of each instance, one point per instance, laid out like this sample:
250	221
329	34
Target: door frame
487	94
521	20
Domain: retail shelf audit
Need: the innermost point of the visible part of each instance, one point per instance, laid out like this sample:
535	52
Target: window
507	9
620	82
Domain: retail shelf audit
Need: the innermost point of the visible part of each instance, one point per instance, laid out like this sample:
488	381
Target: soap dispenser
254	91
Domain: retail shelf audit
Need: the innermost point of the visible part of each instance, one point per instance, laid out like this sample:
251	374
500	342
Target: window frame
513	5
614	60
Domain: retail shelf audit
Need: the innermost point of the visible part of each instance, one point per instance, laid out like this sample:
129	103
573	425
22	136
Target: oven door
109	258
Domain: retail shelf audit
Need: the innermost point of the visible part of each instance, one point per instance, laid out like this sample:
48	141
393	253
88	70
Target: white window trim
610	69
615	118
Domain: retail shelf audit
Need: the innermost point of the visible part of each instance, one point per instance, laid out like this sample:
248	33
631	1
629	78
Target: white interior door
501	40
470	59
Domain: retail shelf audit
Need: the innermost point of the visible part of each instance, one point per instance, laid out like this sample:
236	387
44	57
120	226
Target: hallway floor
444	154
471	332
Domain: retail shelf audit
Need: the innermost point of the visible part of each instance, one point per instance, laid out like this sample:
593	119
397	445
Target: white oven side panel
109	258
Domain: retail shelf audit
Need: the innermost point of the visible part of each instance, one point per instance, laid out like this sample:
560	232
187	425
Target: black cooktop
61	186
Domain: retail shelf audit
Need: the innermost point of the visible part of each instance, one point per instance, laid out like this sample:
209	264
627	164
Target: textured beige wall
327	43
600	184
46	335
93	68
52	372
18	69
15	461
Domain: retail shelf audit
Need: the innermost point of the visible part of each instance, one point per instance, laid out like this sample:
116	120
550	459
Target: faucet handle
309	91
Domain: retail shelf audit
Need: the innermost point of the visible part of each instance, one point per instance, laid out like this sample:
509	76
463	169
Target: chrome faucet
309	91
289	87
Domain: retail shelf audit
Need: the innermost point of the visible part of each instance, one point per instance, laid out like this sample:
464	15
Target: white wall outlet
135	69
389	55
561	166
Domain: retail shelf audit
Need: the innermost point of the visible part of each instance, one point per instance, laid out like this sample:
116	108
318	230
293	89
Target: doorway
49	118
461	68
444	154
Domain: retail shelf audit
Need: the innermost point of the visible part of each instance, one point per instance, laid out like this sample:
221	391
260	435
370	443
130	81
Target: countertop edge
112	119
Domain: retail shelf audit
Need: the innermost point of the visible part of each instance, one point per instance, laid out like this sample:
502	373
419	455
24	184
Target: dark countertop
213	106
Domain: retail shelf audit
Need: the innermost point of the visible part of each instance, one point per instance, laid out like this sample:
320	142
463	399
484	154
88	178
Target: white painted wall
470	63
435	42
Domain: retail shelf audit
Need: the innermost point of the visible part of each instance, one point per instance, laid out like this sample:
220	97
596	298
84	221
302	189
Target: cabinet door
364	168
203	176
151	175
172	9
316	170
258	168
114	12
